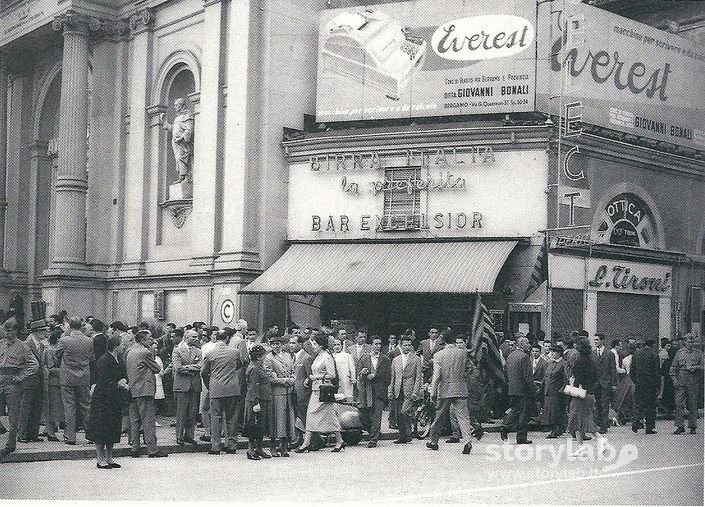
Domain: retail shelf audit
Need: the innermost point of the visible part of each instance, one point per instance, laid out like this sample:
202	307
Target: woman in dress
581	414
280	365
257	403
321	416
105	417
624	395
554	400
345	364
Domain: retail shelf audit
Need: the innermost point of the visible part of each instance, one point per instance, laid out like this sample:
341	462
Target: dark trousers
645	406
76	400
11	396
460	407
371	418
687	394
603	396
31	407
186	413
142	412
224	408
301	404
518	417
393	415
404	409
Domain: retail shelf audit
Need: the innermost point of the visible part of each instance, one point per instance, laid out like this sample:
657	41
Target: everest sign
426	58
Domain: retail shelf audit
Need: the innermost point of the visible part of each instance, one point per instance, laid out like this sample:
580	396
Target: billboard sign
625	75
426	58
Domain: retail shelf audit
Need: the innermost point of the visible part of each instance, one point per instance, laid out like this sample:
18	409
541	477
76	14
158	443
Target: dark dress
581	412
105	416
259	390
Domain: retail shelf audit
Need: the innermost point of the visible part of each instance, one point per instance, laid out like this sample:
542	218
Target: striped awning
453	267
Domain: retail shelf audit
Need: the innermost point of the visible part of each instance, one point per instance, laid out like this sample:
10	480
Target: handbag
329	387
574	391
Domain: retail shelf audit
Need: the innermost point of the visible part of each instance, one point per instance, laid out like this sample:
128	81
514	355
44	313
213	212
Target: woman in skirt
554	400
257	403
581	414
321	416
109	395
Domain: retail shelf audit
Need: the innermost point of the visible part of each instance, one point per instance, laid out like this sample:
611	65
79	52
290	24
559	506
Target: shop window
627	221
402	199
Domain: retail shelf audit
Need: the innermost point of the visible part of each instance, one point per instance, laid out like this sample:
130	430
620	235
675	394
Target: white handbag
574	391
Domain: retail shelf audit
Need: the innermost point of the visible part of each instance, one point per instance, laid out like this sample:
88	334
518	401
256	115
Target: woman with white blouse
346	369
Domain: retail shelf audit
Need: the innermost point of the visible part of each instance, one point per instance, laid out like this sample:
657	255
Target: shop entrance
391	313
627	316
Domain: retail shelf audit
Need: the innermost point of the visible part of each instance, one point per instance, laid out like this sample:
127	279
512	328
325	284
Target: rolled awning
453	267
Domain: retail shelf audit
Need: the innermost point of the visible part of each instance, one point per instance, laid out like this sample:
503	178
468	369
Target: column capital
142	20
72	21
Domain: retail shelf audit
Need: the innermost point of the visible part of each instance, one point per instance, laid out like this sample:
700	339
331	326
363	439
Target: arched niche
628	216
180	83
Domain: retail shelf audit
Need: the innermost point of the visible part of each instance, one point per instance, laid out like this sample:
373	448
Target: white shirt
404	360
374	360
297	355
535	364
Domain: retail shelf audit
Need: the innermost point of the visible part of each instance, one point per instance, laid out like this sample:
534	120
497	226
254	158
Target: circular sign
227	311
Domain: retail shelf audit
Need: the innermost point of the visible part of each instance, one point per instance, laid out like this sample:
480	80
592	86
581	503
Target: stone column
208	153
71	182
3	159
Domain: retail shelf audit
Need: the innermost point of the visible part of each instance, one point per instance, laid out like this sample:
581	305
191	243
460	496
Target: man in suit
606	364
75	353
360	348
16	360
186	365
345	341
538	369
221	376
373	385
302	385
427	349
449	386
393	347
141	368
33	384
521	392
405	387
645	372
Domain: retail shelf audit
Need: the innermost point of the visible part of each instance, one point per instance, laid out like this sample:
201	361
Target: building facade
384	210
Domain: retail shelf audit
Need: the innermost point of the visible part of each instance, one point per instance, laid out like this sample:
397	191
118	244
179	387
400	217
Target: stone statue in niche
181	139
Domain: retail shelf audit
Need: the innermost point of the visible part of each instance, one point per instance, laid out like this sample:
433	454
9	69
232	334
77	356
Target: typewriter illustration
373	49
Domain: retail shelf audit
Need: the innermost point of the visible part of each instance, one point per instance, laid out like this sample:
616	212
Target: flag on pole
483	333
539	274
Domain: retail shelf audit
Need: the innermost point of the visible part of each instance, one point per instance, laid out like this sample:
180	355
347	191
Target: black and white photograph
397	251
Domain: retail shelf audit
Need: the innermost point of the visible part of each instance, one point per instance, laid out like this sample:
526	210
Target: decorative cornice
104	28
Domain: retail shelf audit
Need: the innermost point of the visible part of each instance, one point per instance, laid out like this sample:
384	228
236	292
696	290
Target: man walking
15	361
221	376
405	387
521	392
427	349
686	371
606	364
141	368
449	386
373	384
645	374
75	353
186	364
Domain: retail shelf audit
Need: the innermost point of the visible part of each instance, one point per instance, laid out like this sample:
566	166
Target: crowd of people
286	388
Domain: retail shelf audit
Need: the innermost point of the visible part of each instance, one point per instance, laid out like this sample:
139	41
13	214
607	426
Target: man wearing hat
33	385
16	361
554	400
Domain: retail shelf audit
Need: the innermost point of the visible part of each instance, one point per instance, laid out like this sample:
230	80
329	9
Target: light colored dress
321	416
346	373
159	390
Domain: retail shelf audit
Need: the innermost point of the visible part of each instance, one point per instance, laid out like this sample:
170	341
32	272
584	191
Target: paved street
659	469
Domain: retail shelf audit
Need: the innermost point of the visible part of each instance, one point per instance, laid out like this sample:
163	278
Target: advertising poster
625	75
426	58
